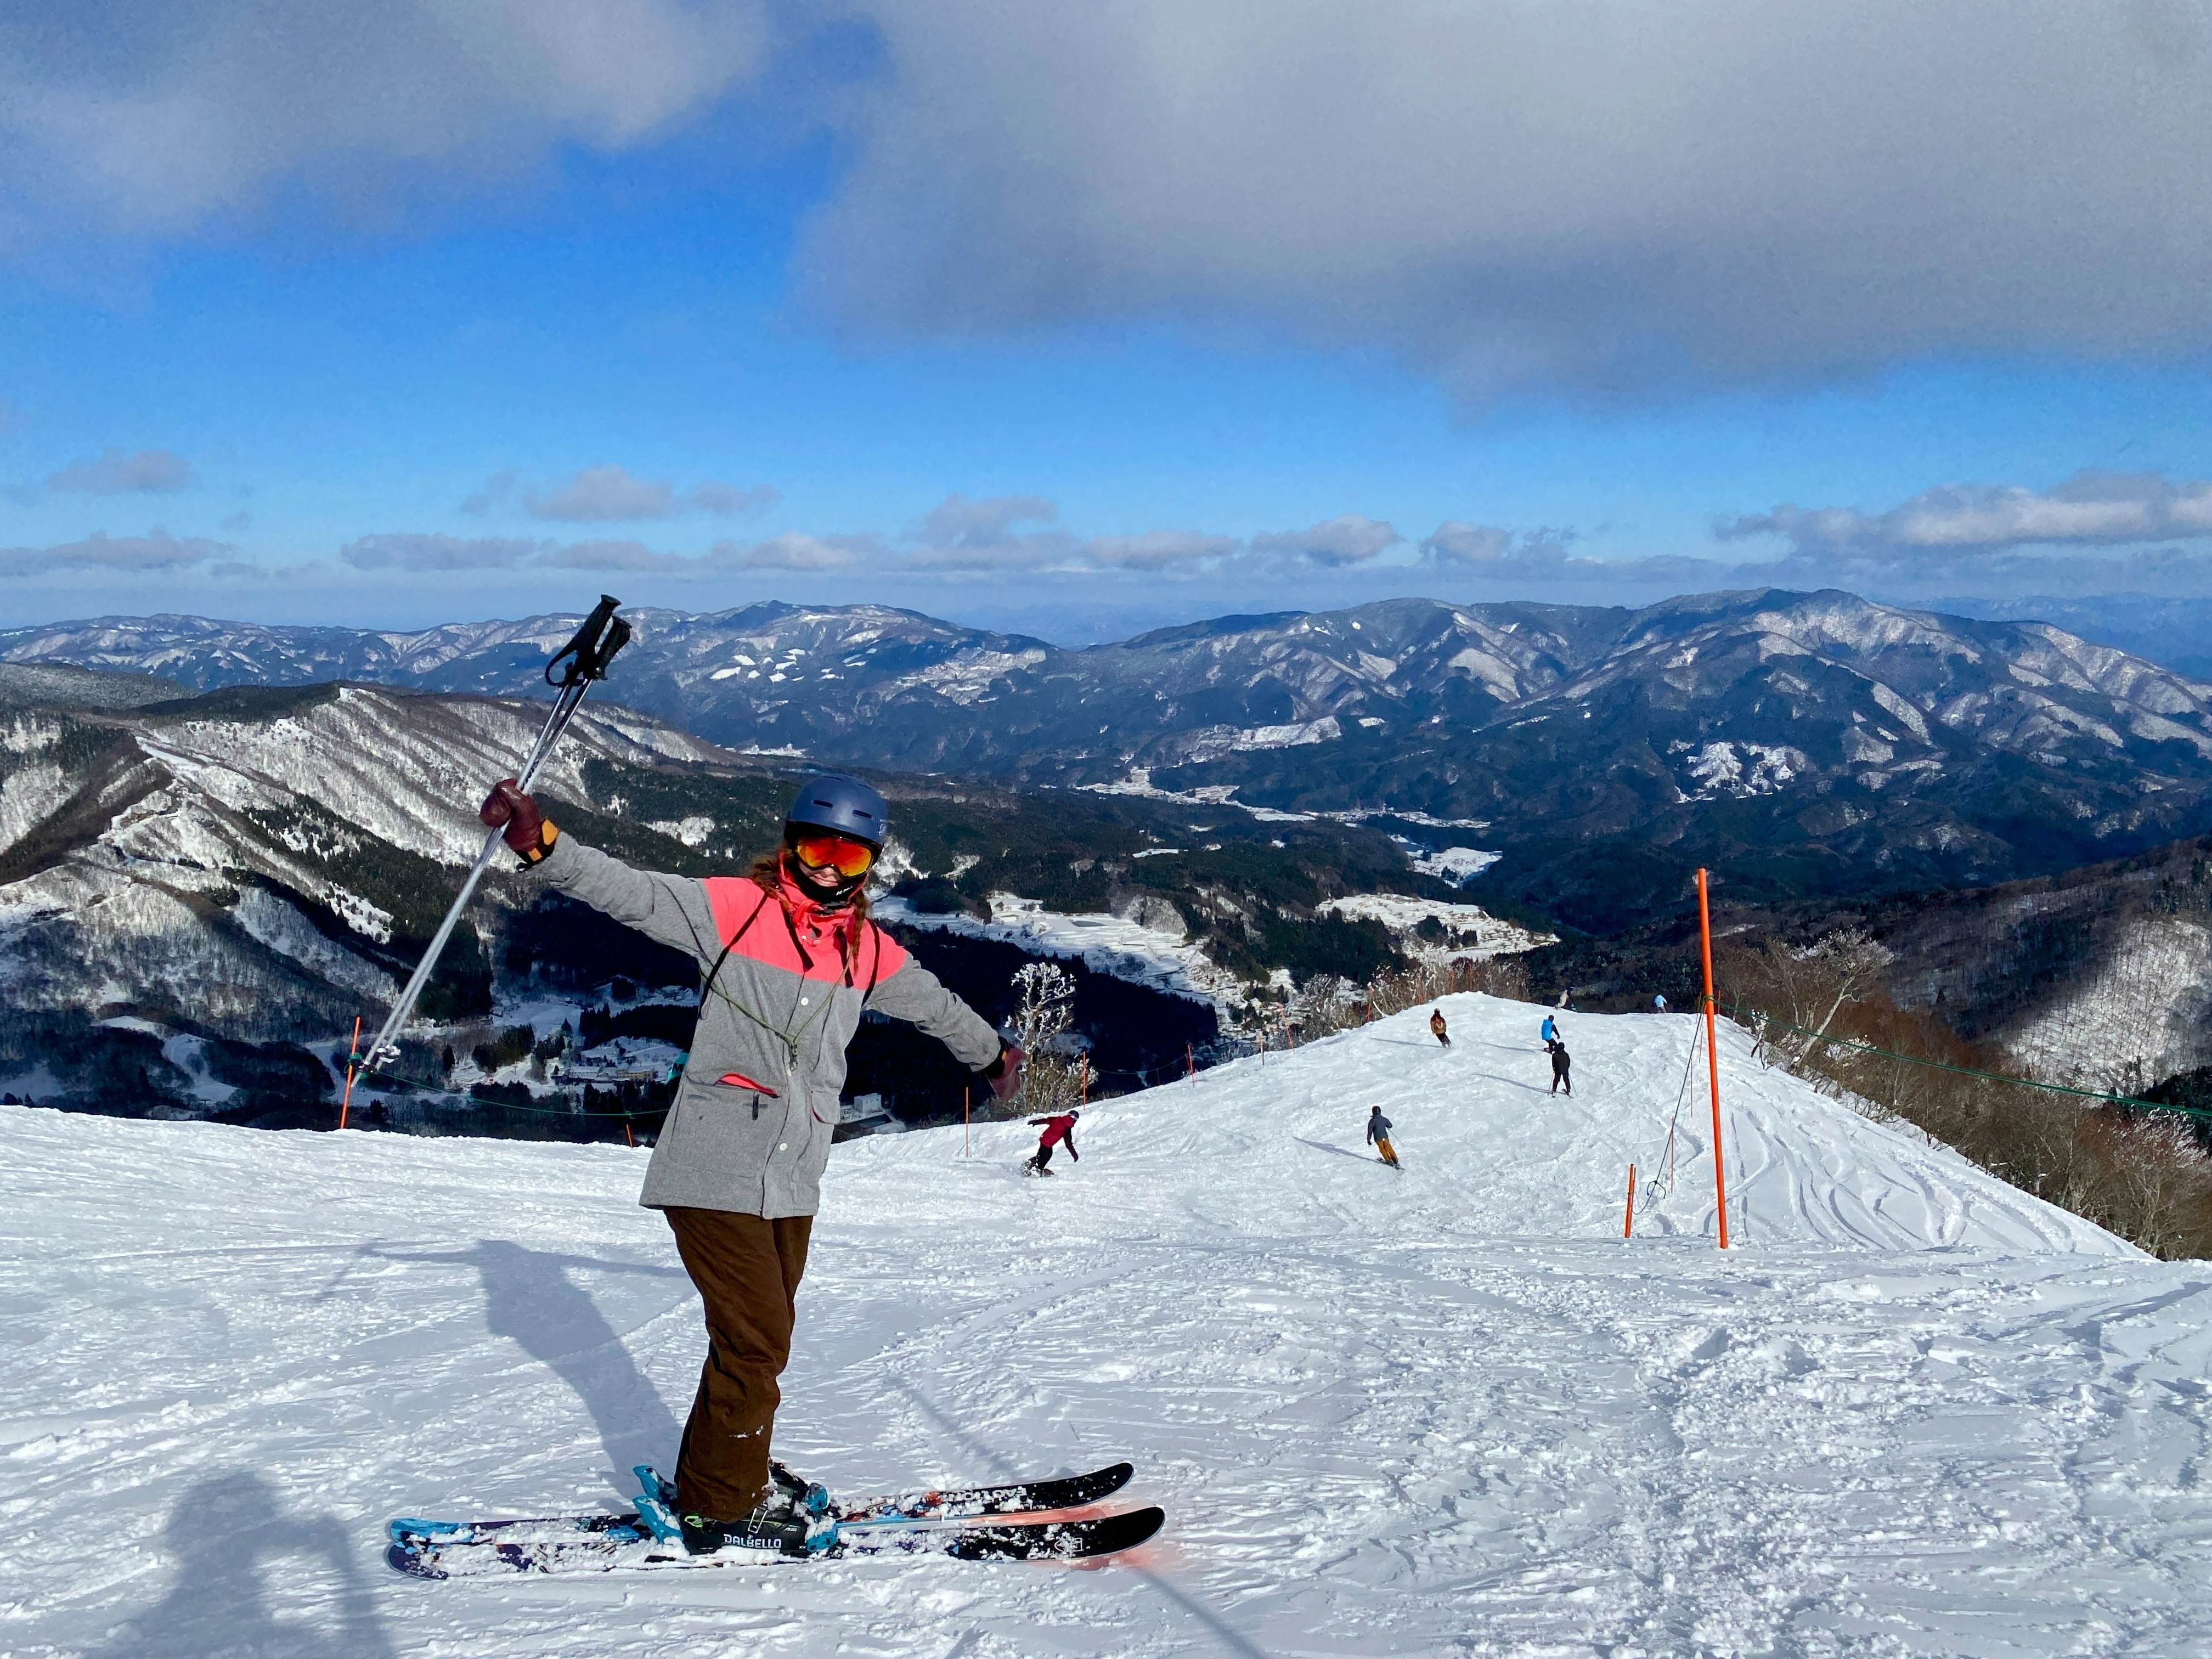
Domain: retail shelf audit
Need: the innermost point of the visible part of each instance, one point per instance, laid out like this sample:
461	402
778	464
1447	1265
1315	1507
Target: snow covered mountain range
1912	1412
1795	739
259	864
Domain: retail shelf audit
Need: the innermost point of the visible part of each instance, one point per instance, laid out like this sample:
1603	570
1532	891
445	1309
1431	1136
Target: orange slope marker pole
1628	1221
353	1059
967	1110
1713	1055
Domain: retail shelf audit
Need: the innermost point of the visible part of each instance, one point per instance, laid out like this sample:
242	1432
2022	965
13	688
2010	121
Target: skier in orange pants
1378	1132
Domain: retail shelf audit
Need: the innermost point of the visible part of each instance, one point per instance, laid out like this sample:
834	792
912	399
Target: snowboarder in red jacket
1058	1128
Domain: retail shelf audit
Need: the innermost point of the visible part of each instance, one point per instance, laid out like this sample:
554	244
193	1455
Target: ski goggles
848	858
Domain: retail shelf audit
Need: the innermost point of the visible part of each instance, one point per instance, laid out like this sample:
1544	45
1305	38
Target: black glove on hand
528	830
1004	1074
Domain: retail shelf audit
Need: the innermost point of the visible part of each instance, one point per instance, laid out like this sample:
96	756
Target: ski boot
776	1523
807	1496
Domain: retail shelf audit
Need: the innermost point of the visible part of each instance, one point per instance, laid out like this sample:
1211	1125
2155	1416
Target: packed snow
1469	929
1456	865
1125	947
1448	1410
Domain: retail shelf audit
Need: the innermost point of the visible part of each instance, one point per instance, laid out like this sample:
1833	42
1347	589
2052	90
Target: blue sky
802	330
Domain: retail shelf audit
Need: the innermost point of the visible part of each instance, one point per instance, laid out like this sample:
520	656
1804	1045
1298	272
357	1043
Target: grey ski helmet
843	805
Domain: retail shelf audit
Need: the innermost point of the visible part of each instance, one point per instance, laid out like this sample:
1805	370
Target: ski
653	1519
1065	1492
605	1543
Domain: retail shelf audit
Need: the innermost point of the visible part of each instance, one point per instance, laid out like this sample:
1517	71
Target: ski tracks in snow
1442	1411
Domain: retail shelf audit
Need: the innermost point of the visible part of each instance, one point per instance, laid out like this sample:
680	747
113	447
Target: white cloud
144	472
1454	542
799	552
414	550
609	556
155	116
603	495
1334	542
1612	197
1617	197
1158	549
156	550
2089	509
598	493
728	501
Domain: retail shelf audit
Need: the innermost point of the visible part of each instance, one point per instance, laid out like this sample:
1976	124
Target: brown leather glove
529	832
1004	1074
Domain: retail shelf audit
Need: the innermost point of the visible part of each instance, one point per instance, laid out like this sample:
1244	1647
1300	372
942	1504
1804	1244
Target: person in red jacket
1057	1129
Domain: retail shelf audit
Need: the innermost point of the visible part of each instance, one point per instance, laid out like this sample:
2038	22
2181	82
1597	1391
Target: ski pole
353	1062
588	655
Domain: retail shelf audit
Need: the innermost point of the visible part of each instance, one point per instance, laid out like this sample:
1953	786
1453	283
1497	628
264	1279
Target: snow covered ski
960	1522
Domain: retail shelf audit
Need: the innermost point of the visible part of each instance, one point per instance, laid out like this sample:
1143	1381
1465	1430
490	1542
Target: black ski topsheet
1067	1491
498	1549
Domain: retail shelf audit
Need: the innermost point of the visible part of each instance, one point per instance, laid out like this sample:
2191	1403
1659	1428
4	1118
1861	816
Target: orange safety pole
1189	1059
1713	1055
967	1107
1628	1221
353	1059
1083	1080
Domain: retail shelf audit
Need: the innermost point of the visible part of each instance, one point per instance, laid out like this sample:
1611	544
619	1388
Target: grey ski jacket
751	1128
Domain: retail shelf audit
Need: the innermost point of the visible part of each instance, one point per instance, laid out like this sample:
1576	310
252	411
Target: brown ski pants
747	1268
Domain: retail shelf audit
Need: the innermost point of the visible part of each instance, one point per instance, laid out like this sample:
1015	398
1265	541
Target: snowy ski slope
1448	1411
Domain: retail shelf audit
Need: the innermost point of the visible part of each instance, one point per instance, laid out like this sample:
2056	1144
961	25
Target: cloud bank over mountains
2095	533
1610	199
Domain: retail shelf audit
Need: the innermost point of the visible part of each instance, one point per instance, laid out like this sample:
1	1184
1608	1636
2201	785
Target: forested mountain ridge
261	864
1804	742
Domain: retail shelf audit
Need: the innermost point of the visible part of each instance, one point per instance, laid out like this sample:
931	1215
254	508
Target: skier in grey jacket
789	960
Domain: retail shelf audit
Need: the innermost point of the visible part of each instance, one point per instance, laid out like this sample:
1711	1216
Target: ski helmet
842	805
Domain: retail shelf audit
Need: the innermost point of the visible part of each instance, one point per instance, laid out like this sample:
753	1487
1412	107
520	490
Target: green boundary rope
1749	1015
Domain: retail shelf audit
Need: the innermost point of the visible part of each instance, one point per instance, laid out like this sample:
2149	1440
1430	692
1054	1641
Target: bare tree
1044	1005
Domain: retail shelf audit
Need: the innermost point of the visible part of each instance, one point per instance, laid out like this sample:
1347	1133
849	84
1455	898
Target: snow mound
1122	946
1444	1410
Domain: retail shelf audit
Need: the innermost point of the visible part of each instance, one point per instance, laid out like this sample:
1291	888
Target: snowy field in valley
1445	1411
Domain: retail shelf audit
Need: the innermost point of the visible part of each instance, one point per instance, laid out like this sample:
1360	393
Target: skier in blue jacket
1550	1031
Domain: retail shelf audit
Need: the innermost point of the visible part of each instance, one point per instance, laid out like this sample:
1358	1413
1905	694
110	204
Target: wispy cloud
414	550
1455	545
116	472
1333	544
799	552
1159	549
2090	509
156	550
615	494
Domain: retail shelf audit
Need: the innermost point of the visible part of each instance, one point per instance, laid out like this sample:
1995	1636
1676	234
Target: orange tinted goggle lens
847	858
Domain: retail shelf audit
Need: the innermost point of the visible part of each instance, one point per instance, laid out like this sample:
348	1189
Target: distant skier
1560	1061
790	960
1436	1026
1058	1130
1378	1134
1549	1032
1566	999
1659	1004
